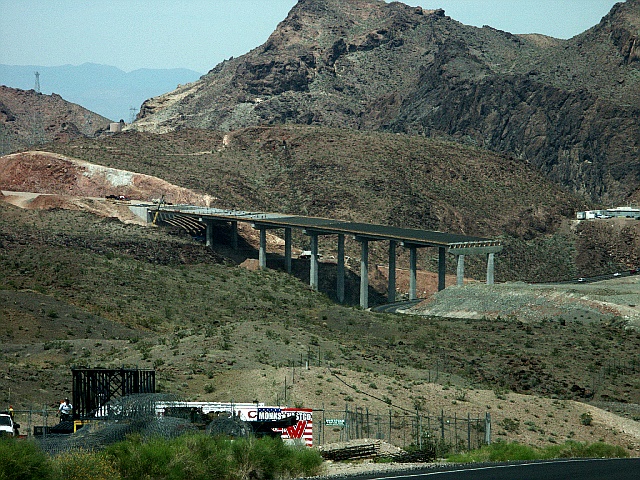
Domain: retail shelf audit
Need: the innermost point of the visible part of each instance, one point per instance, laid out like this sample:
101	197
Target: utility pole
37	86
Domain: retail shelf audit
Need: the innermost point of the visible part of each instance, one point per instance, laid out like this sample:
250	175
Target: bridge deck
327	226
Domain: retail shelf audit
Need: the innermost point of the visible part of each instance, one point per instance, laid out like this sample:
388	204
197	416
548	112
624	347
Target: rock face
29	118
570	107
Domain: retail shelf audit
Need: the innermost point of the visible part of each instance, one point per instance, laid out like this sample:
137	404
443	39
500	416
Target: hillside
83	290
482	133
30	118
569	107
374	177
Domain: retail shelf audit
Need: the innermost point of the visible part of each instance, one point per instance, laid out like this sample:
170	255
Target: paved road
394	307
580	469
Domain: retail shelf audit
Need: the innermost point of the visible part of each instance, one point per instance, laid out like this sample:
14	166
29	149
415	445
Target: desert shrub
22	460
586	418
604	450
271	458
198	456
496	452
134	458
510	424
83	465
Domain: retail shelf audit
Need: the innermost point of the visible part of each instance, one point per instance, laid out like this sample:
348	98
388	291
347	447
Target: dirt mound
50	173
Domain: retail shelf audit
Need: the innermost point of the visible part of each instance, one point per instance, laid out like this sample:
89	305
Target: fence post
455	431
487	429
368	423
323	423
468	431
346	422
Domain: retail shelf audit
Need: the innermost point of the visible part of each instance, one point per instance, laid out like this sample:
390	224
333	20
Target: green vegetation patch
510	451
192	457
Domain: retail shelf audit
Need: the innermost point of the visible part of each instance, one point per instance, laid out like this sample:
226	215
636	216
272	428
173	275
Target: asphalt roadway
570	469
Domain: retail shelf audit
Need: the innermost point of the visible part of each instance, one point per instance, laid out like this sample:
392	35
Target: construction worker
11	411
65	410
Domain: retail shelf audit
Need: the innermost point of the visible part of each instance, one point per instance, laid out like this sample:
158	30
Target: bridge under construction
191	217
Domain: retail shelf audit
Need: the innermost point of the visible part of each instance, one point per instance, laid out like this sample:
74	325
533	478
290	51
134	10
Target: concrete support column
287	249
412	273
442	268
209	233
364	274
313	274
490	268
262	254
460	271
391	289
340	269
234	235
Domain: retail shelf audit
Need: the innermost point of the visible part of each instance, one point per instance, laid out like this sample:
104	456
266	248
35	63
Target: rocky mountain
28	118
569	107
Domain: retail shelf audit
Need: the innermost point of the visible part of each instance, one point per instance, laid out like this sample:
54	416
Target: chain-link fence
401	428
610	370
35	417
137	414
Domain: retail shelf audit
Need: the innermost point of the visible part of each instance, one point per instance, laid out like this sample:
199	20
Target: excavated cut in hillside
55	174
569	107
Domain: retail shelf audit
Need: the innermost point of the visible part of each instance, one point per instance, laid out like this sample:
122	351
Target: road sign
334	422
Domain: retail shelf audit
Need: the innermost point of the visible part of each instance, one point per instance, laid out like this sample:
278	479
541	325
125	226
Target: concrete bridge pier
489	249
234	235
442	268
412	272
340	269
391	288
364	273
209	226
313	274
262	253
460	270
490	267
209	233
287	249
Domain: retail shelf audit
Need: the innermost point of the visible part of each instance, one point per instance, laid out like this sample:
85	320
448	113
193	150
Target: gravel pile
522	301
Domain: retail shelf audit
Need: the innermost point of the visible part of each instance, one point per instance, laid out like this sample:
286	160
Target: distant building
115	127
618	212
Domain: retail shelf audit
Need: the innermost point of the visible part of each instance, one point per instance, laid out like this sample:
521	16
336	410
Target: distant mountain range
103	89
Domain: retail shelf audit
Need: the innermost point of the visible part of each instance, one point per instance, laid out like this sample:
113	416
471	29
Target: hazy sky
198	34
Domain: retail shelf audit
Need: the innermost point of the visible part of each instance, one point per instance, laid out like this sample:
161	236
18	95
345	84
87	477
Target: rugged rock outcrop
570	107
30	118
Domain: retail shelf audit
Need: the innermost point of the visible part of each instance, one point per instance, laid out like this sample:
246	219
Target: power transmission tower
132	114
37	131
